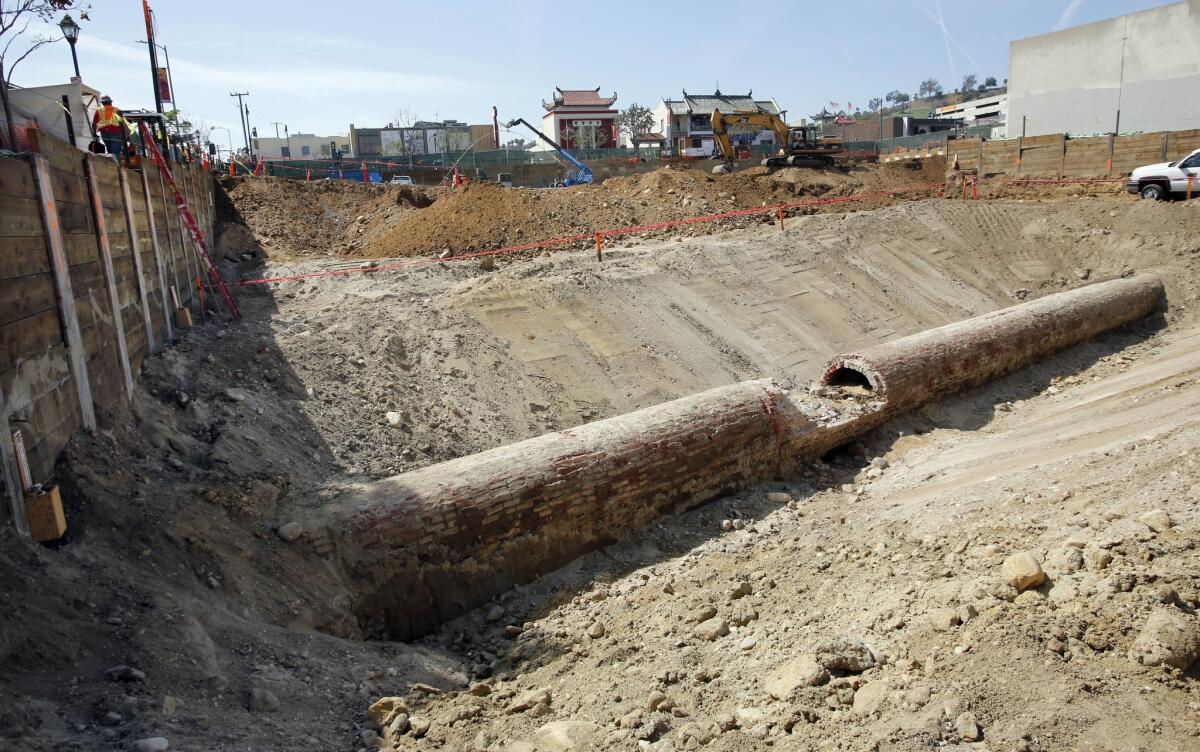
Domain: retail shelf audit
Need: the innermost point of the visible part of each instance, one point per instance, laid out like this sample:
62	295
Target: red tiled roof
579	98
649	137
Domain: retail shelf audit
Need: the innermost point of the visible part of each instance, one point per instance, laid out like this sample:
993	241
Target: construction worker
111	126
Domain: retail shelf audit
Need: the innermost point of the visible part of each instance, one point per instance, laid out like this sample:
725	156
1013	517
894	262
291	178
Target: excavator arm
764	120
583	174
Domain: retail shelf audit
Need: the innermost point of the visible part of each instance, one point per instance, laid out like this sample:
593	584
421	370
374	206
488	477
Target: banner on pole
164	85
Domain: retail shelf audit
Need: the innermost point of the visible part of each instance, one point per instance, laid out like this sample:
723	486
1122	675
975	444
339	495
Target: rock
262	700
383	710
112	719
446	254
741	590
704	613
967	613
655	699
236	395
152	744
778	497
398	725
748	643
487	263
1064	561
1096	559
1169	638
481	689
743	613
495	613
568	736
847	654
529	700
726	525
182	398
418	726
596	631
1022	571
967	728
512	630
869	698
290	532
711	629
125	673
944	618
169	705
394	419
797	673
1157	520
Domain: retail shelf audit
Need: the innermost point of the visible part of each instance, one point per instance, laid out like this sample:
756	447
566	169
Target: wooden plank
158	257
20	216
24	297
135	244
15	178
28	337
110	276
66	297
12	483
23	256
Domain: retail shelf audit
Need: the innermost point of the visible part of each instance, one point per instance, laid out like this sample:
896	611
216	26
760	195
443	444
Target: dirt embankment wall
89	252
1058	156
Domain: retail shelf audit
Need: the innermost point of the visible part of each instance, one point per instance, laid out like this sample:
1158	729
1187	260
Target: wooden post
781	219
158	259
979	166
106	263
12	477
598	243
1111	139
1062	160
135	246
168	208
1166	136
1020	151
61	271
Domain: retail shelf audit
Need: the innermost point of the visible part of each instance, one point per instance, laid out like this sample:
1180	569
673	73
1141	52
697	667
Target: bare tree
968	83
15	18
404	117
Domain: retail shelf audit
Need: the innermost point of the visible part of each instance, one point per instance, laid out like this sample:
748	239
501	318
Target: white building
299	146
686	124
580	119
985	111
1134	73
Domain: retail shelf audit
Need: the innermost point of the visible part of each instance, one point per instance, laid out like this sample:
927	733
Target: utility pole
253	133
242	117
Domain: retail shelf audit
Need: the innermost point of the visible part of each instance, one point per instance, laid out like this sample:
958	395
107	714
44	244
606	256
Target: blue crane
583	174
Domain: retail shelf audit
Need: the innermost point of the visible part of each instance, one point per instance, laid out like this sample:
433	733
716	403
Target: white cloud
1068	15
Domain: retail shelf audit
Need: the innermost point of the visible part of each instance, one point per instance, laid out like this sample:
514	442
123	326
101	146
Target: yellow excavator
799	146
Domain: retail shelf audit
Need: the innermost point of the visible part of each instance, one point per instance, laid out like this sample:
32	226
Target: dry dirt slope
174	566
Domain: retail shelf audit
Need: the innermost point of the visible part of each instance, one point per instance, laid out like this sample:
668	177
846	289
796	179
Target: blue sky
319	66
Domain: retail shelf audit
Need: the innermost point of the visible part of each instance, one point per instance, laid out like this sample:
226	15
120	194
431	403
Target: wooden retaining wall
1057	156
85	289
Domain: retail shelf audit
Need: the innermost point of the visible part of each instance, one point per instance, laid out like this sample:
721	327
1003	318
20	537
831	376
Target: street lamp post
70	31
170	74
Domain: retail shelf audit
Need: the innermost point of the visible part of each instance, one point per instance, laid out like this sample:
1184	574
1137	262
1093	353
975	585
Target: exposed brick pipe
424	546
927	366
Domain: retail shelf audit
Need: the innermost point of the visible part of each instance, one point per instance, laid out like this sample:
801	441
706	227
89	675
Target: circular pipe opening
845	376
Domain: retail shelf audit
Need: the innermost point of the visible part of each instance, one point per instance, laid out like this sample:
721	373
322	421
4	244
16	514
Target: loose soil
174	565
290	218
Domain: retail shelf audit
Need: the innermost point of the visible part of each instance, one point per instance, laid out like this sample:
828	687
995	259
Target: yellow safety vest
109	117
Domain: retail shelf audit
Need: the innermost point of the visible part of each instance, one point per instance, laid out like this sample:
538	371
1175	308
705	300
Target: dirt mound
482	216
291	218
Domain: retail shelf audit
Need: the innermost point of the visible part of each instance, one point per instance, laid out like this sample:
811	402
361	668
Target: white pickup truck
1167	179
